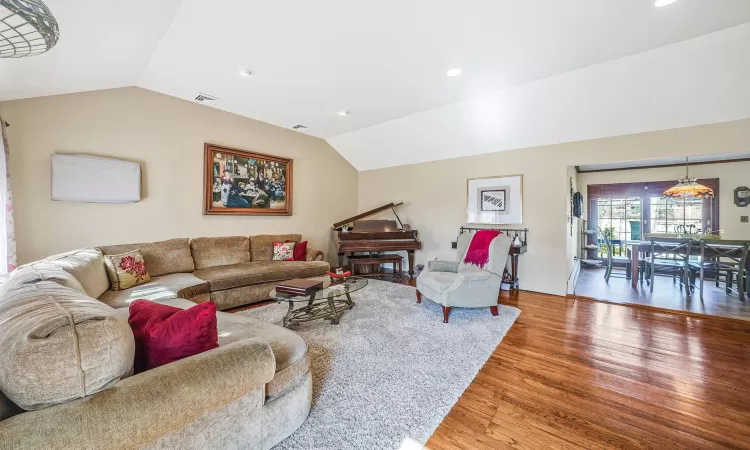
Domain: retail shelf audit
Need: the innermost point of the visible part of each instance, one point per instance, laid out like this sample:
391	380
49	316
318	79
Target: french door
627	211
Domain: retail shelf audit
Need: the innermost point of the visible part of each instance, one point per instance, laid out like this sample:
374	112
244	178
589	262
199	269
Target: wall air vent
299	127
205	98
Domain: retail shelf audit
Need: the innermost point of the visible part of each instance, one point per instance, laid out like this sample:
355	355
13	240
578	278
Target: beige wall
730	175
166	135
435	192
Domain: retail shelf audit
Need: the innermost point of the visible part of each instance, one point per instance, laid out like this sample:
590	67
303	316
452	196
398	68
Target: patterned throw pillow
126	270
283	251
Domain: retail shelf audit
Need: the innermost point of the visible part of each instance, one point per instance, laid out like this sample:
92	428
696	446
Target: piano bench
355	261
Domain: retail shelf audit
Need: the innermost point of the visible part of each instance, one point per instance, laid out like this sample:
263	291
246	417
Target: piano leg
410	254
341	258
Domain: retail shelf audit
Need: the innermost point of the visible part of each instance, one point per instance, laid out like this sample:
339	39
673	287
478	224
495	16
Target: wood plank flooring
669	295
575	373
584	374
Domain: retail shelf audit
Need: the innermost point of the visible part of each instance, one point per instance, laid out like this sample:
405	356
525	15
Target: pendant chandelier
27	28
688	188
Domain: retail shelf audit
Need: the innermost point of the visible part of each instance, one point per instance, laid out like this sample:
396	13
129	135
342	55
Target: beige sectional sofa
66	352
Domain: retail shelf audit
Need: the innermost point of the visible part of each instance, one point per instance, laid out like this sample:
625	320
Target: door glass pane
605	209
676	216
618	208
621	219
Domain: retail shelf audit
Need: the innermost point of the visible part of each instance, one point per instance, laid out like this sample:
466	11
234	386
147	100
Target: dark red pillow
164	334
300	251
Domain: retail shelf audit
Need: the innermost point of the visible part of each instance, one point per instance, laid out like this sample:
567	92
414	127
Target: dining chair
727	258
672	254
612	259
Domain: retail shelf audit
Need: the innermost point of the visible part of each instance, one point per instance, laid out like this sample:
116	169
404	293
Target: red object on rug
479	248
164	334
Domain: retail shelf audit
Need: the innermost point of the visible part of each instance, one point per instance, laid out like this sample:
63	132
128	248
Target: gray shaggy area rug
389	373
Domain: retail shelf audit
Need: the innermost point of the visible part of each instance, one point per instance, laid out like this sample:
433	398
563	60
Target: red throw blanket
479	248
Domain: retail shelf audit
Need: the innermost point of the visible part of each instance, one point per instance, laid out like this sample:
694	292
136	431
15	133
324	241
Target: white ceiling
695	82
103	44
379	60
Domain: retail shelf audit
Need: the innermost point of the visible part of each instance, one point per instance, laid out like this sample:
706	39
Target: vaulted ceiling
385	63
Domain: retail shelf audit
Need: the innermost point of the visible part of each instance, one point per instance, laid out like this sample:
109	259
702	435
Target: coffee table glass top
330	289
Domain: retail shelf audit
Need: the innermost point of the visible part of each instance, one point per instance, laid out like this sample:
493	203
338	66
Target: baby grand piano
376	235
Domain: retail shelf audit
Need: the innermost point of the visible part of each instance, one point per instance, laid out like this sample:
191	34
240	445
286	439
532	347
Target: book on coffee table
299	286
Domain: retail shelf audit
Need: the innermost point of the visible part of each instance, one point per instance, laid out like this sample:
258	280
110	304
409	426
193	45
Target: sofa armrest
442	266
314	255
140	409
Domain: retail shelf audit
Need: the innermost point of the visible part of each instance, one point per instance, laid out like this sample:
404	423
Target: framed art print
246	183
494	200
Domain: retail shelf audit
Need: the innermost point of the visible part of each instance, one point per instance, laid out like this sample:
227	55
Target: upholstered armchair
457	284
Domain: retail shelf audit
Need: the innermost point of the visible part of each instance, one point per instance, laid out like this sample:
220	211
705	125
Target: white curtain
7	231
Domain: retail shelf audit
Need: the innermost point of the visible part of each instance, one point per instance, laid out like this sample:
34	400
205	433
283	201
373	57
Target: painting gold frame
498	217
280	165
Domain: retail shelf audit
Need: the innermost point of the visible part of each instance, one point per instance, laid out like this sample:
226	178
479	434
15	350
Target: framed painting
494	200
246	183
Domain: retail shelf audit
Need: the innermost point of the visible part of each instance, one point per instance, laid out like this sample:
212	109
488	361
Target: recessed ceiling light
662	3
343	113
245	72
453	72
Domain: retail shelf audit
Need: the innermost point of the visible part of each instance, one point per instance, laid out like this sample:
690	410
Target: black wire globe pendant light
27	28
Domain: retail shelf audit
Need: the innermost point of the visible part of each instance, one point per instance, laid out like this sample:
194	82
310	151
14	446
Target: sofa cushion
165	334
283	251
57	344
289	348
126	270
183	285
243	295
235	275
162	258
220	251
262	245
54	272
86	265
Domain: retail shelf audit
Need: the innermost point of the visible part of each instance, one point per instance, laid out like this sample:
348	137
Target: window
628	211
620	217
677	216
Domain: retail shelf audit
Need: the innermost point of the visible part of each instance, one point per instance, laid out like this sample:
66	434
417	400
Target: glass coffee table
328	302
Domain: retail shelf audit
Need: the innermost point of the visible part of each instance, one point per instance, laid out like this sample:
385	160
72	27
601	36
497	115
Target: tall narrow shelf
587	248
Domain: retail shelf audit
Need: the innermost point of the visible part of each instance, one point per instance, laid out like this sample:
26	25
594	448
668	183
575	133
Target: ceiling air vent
205	98
298	127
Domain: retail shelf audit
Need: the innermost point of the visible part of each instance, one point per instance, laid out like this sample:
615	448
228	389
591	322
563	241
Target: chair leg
653	273
641	270
446	311
741	284
419	296
493	310
730	282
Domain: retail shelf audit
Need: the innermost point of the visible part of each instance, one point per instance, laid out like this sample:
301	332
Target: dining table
639	246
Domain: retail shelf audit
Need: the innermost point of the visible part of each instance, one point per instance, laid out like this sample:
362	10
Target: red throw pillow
164	334
300	251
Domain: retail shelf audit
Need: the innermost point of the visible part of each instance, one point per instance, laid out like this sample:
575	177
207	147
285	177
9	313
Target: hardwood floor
669	295
585	374
577	373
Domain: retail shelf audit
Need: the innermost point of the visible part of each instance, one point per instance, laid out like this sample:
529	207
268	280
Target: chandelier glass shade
27	27
688	188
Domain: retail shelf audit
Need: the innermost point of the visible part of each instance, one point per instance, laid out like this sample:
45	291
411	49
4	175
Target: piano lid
372	212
